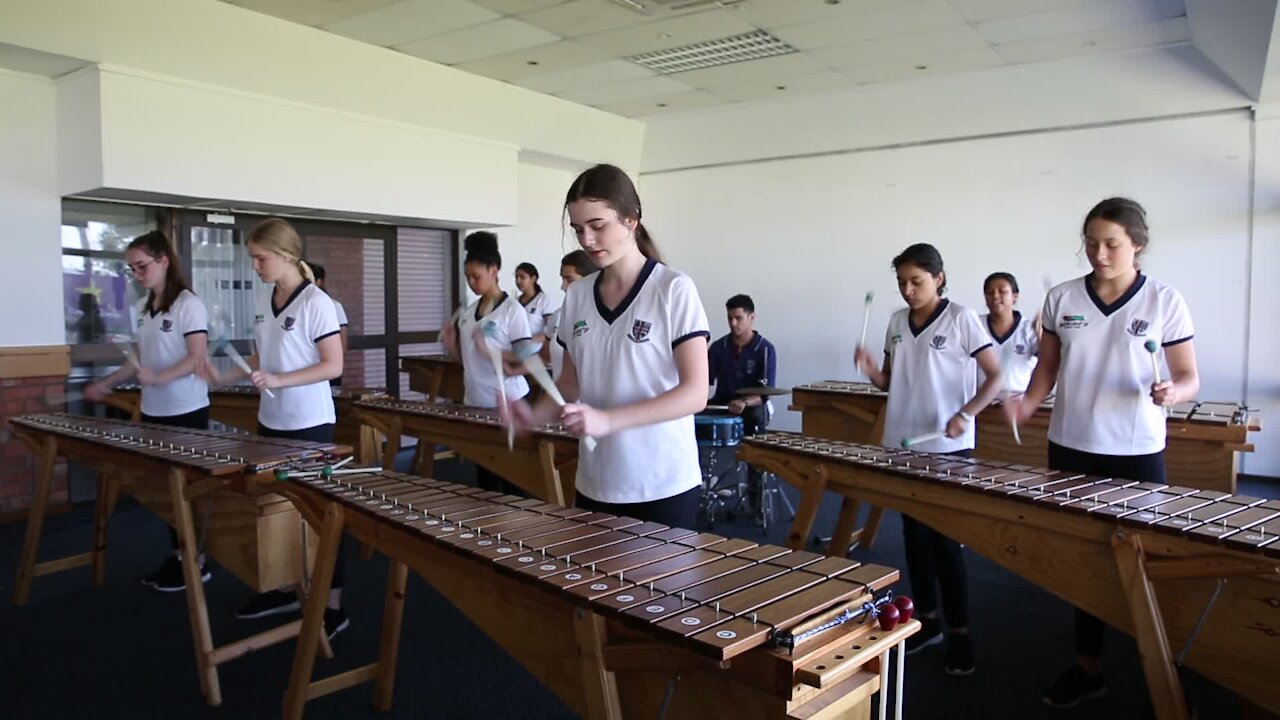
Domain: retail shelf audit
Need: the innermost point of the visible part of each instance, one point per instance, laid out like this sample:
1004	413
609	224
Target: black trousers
321	434
194	420
935	566
1143	468
678	511
487	479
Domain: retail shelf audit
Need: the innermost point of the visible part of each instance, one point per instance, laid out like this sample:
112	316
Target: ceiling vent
724	51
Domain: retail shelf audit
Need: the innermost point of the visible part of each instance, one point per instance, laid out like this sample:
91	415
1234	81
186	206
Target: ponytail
305	269
644	241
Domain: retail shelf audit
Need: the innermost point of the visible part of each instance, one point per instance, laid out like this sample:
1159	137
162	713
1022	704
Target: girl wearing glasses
171	328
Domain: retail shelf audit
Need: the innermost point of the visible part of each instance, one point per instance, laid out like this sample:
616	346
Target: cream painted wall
30	214
807	238
1264	305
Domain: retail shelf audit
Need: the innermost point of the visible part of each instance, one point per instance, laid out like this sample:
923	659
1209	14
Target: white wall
30	214
807	238
1264	340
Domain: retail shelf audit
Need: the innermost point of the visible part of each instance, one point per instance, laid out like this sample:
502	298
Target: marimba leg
842	538
550	475
389	647
108	494
304	656
424	458
1149	629
810	500
197	610
370	448
600	683
867	536
35	521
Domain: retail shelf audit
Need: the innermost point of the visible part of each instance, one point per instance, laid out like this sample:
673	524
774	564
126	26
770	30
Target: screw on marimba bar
619	576
681	596
650	587
544	553
499	536
519	543
753	619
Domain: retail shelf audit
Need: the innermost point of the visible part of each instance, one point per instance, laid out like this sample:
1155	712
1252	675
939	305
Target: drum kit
728	485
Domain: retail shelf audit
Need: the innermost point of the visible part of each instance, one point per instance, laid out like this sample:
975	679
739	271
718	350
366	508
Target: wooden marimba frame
608	612
1203	437
439	377
254	534
543	463
237	406
1192	574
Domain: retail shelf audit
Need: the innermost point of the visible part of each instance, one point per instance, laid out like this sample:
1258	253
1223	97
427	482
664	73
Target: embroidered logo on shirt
640	331
750	367
258	319
895	339
1138	328
580	328
1072	322
289	322
139	322
1020	349
166	325
939	342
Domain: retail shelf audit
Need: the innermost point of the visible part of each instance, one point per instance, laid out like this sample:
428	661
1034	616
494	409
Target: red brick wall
17	461
343	261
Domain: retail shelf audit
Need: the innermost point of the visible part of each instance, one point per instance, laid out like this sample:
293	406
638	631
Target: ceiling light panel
711	53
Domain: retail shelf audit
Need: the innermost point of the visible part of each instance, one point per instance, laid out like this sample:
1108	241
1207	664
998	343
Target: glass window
98	292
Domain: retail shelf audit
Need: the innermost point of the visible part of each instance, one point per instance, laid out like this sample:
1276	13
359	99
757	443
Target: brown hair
610	185
157	246
580	261
1125	213
281	238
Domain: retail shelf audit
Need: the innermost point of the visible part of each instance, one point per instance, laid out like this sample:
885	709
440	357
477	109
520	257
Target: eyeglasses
140	268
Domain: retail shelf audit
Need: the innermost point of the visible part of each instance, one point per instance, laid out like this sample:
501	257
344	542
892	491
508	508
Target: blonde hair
281	238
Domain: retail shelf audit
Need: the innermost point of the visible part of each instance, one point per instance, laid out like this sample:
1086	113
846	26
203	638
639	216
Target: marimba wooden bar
543	463
1192	574
1203	438
439	377
180	474
620	618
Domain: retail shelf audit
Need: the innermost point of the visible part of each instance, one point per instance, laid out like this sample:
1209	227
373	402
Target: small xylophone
532	574
1150	559
176	473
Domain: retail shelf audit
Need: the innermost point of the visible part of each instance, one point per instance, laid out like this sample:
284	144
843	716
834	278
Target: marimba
1203	437
1193	574
237	406
543	463
180	474
439	377
620	618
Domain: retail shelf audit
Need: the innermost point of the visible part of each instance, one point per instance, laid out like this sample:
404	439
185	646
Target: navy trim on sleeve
696	333
317	340
1171	343
975	352
342	325
523	339
206	332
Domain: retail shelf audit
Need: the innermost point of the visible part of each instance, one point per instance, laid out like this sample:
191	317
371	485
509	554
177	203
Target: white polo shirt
1018	351
538	308
287	339
1103	402
162	343
340	311
627	355
557	352
479	378
932	375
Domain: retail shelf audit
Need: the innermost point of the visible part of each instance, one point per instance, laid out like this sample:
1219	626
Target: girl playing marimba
635	364
1101	334
298	352
533	300
928	371
467	340
172	329
1016	340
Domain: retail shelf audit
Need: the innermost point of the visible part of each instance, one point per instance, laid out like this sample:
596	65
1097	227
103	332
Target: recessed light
662	104
922	67
664	36
832	2
780	87
531	62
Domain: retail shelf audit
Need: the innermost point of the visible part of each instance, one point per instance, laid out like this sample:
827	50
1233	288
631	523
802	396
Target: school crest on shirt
166	325
289	322
639	331
895	339
1072	322
1020	349
939	342
259	319
1138	328
580	328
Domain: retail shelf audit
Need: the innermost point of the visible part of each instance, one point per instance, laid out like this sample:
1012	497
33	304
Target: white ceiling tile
410	20
310	12
663	104
624	91
791	87
512	7
765	69
1092	43
1097	16
544	58
979	10
771	14
886	22
904	48
612	71
939	64
670	33
582	17
479	41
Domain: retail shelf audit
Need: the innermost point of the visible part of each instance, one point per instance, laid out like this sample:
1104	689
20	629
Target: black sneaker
269	603
169	577
930	634
1073	687
335	621
960	654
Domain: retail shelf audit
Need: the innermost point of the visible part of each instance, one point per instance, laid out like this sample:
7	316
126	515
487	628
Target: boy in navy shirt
742	359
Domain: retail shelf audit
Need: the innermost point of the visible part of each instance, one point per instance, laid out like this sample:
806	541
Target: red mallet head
905	607
888	617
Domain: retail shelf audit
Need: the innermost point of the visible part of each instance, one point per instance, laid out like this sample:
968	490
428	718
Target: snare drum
714	430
